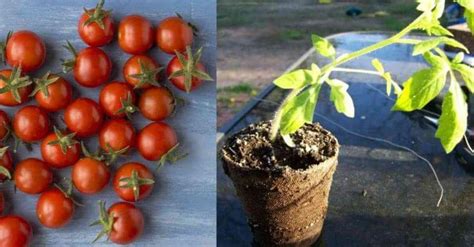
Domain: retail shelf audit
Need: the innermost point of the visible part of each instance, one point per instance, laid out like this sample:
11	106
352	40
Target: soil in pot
284	190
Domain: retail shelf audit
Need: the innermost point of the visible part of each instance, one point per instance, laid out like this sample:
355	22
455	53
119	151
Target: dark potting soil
252	147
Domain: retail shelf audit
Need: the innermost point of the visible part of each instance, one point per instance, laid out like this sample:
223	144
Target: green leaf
323	46
430	44
467	74
470	19
378	66
420	89
294	79
295	112
311	104
435	61
468	4
459	58
426	5
453	120
342	100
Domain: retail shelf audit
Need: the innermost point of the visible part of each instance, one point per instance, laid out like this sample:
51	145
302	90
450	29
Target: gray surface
181	210
400	206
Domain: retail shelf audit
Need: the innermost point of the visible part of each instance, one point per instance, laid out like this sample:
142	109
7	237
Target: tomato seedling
96	26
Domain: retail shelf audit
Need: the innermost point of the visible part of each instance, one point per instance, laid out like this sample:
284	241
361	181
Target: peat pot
284	190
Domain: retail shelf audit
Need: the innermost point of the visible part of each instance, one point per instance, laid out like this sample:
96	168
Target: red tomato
15	232
7	98
133	182
135	34
156	103
53	93
179	81
6	162
54	208
92	67
127	225
84	117
155	140
31	123
4	125
96	27
173	34
90	175
117	134
147	77
32	176
25	49
60	150
117	99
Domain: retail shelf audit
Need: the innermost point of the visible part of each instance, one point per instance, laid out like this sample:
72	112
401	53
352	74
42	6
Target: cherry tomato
147	77
156	103
15	232
60	150
133	182
117	99
179	81
127	225
90	175
6	162
4	125
53	93
54	208
32	176
92	67
25	49
135	34
156	140
117	134
7	98
84	117
96	26
173	34
31	123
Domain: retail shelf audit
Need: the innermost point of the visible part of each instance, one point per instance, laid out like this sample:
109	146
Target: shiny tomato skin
4	124
118	134
84	117
54	156
173	66
15	231
32	176
90	176
31	124
135	34
7	98
7	162
156	103
155	140
173	34
54	209
25	49
132	67
128	223
92	68
60	95
125	171
92	34
111	96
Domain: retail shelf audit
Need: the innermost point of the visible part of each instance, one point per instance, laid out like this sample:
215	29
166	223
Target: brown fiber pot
285	207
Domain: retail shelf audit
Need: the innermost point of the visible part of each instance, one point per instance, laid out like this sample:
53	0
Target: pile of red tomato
108	118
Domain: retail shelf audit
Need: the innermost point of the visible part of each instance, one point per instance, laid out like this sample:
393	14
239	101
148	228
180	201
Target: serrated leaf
323	46
295	112
430	44
342	100
295	79
467	74
453	120
420	89
469	14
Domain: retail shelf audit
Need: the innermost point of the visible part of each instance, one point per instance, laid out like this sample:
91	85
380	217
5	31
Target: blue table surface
181	210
